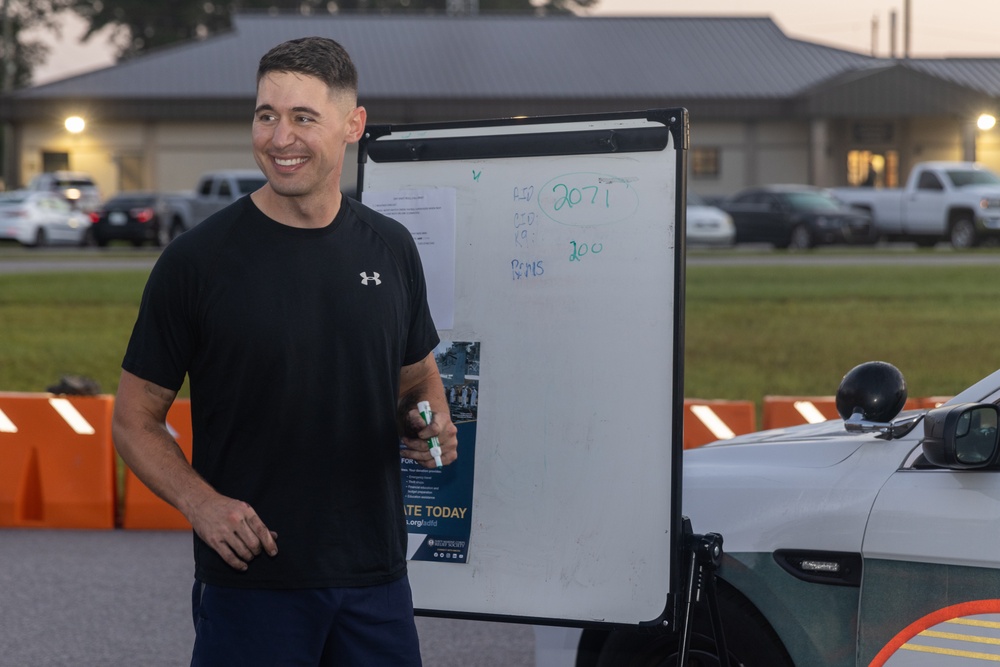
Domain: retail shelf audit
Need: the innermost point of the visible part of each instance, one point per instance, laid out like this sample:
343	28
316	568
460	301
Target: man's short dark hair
320	57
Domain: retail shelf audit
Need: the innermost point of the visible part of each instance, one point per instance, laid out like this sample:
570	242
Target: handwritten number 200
573	196
582	249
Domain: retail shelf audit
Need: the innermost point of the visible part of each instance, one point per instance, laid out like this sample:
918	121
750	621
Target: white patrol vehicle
856	543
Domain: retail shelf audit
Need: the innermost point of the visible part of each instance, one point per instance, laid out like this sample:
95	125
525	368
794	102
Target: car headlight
987	202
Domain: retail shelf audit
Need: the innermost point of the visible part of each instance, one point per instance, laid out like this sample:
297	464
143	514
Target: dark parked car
796	216
129	216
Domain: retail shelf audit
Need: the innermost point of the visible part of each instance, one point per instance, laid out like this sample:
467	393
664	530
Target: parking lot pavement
95	598
122	598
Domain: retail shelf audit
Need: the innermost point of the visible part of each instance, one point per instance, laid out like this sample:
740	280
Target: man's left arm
422	382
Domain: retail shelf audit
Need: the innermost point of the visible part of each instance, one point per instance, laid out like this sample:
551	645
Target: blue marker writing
424	408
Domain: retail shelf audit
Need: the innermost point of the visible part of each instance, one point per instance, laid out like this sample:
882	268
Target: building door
130	172
873	168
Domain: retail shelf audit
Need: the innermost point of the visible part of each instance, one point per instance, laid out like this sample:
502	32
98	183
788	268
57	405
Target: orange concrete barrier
708	421
930	402
785	411
144	510
57	464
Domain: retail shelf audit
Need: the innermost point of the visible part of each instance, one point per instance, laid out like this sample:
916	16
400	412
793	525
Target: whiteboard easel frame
489	139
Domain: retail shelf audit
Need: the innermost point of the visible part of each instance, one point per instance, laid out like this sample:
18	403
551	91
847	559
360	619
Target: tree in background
141	25
18	54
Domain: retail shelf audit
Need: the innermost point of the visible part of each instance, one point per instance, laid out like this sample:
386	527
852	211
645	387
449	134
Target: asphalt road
121	598
44	260
20	260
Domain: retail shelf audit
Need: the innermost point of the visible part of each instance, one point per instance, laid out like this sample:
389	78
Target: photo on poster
438	502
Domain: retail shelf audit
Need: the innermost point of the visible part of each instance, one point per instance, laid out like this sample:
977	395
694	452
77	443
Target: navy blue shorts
369	626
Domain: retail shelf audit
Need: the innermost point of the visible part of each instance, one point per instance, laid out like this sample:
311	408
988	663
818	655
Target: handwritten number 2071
567	196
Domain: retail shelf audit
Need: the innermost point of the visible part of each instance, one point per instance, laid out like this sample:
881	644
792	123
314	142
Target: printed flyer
438	502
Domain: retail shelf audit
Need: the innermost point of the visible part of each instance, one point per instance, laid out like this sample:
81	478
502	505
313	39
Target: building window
867	168
705	162
52	161
873	133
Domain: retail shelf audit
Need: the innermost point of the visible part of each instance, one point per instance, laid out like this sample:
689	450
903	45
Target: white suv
76	187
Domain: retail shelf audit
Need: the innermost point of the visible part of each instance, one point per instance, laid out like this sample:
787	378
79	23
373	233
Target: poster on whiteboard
438	502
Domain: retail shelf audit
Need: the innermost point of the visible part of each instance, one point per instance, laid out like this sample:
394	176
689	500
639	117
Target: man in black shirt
300	318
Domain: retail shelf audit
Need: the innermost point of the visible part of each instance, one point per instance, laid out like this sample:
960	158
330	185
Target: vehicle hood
810	445
842	212
697	213
804	487
982	190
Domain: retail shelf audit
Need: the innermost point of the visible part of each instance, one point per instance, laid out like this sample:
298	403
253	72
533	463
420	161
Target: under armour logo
365	278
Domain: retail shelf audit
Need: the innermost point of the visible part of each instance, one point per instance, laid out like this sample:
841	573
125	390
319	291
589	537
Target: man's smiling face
300	131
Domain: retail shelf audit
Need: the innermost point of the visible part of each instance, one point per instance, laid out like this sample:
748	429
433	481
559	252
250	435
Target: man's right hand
229	526
233	529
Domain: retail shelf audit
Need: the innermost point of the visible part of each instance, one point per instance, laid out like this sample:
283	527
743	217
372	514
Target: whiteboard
568	272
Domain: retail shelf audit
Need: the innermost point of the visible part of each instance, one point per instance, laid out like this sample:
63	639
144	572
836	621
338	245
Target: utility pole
892	34
6	85
906	28
875	36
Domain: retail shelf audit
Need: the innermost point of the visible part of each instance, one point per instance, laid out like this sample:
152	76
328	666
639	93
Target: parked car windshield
248	185
811	201
961	178
130	200
73	182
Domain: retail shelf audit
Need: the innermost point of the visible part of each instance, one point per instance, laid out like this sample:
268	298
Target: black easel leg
704	554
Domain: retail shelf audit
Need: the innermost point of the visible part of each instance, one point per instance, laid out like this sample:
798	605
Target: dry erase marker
424	408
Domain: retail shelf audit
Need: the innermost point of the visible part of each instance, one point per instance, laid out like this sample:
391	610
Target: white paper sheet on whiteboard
430	216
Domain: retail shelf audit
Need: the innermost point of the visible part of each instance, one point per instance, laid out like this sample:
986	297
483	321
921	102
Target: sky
938	28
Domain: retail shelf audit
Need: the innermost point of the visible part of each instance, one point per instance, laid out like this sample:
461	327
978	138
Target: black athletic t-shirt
293	340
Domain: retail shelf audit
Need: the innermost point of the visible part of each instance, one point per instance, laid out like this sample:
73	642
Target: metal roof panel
489	57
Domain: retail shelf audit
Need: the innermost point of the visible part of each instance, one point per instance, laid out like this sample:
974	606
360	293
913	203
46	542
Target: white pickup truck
958	202
215	190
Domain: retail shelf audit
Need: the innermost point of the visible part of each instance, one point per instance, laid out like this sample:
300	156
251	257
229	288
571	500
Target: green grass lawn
796	330
751	331
54	324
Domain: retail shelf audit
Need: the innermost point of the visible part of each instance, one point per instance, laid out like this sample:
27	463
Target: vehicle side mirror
962	437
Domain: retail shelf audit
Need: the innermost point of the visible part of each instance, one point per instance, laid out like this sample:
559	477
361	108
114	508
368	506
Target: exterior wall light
75	124
986	122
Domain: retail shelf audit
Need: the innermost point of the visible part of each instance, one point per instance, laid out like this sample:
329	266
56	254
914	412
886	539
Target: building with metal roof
764	107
